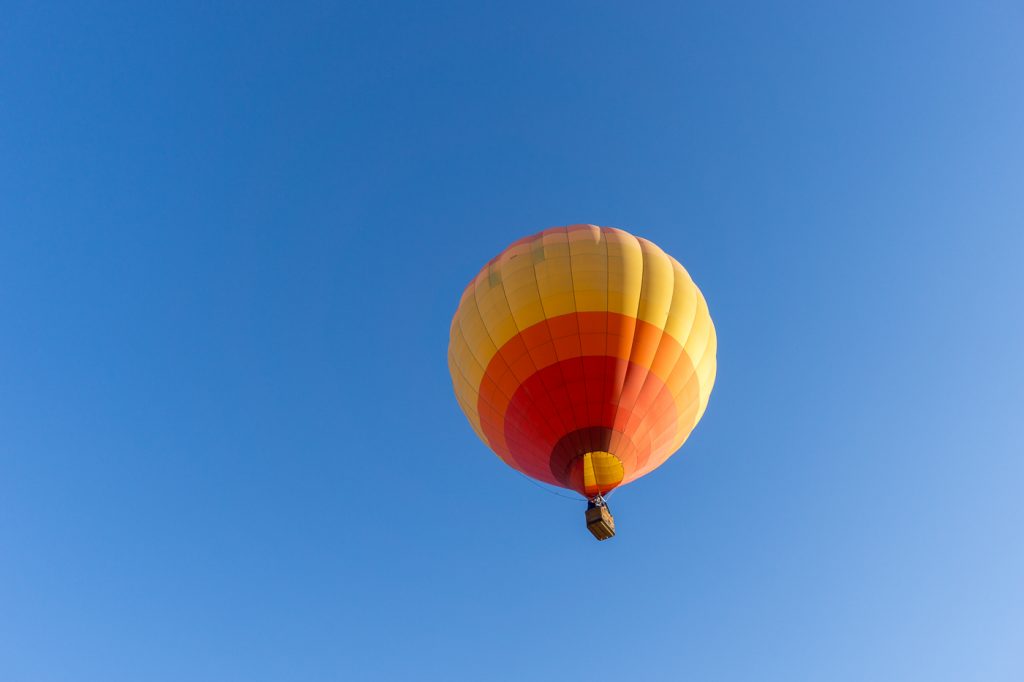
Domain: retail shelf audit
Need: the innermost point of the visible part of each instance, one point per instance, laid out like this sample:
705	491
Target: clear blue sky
231	241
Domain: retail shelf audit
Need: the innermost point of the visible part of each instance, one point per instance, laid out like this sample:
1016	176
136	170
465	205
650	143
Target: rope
547	490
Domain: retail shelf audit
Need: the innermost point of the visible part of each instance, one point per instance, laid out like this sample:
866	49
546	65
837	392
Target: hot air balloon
583	357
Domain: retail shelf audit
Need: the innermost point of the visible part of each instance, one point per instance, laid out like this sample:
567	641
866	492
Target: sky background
232	237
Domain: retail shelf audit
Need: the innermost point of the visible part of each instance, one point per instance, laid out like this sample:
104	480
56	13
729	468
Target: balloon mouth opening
595	473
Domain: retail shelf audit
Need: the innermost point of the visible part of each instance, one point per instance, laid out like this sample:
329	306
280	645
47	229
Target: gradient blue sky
232	238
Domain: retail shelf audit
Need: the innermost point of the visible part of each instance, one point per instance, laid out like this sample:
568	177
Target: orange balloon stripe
576	372
534	349
533	446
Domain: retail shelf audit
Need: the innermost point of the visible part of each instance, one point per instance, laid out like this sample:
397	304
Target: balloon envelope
583	356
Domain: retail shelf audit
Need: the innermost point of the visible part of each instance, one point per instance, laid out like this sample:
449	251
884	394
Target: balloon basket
600	521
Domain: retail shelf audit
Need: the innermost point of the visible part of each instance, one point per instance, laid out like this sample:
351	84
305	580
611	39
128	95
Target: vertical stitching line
504	295
629	360
657	348
693	373
585	438
487	331
566	428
